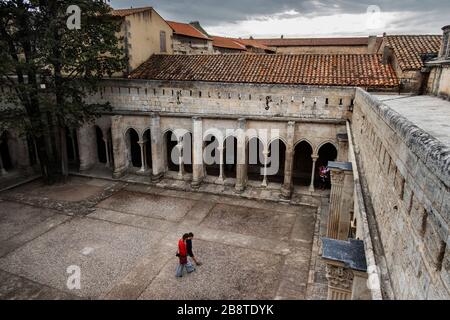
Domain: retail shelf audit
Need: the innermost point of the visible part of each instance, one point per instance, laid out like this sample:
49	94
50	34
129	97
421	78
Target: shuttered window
162	41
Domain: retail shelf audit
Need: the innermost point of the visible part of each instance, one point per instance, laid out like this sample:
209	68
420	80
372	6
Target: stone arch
326	152
211	153
303	162
320	145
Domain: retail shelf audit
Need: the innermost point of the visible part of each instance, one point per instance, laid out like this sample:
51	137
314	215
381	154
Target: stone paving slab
248	221
105	252
12	223
227	273
149	205
17	288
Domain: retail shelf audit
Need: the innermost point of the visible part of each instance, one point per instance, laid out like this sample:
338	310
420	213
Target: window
162	41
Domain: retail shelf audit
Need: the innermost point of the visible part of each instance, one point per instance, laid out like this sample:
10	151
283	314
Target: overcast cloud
297	18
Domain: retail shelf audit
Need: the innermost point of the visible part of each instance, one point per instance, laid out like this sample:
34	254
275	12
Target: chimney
388	53
372	45
282	36
444	53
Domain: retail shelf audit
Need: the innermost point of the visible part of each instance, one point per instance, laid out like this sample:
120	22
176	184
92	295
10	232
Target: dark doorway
172	152
230	157
134	148
255	157
302	164
327	152
148	148
277	152
101	146
212	156
4	151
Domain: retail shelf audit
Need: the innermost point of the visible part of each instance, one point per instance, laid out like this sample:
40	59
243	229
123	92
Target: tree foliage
47	70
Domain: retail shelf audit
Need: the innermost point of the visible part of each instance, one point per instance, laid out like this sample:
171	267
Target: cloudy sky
304	18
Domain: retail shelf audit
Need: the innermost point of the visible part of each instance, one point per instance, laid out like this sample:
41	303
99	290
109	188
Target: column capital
339	277
196	118
314	157
291	123
142	142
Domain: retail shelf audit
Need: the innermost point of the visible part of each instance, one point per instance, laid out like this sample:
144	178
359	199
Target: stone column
87	146
342	139
197	152
340	282
341	200
313	173
286	190
143	160
180	160
157	147
221	163
108	160
266	158
119	147
241	165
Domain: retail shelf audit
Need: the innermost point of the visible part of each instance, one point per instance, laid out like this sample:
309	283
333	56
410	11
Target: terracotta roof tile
335	70
296	42
128	12
185	29
408	49
228	43
254	43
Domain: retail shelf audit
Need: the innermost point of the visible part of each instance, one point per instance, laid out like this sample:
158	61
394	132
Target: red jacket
182	250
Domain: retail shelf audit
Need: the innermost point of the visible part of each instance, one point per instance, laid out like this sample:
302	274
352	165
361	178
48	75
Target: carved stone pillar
340	282
108	160
266	159
286	190
241	165
341	200
87	147
180	160
197	152
143	160
119	147
221	164
342	139
157	147
313	172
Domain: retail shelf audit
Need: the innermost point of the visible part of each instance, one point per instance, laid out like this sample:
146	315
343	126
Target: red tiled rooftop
185	29
409	48
288	42
228	43
130	11
254	43
334	70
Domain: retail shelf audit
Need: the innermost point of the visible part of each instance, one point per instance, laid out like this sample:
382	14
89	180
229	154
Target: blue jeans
180	267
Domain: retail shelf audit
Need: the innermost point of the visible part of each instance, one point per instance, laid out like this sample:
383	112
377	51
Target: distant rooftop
187	30
130	11
365	70
297	42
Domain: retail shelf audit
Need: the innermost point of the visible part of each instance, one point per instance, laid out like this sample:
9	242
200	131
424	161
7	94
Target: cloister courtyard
123	237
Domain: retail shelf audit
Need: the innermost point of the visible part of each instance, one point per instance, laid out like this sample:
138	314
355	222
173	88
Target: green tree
51	68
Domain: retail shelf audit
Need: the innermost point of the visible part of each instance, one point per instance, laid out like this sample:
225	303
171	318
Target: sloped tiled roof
297	42
337	70
253	43
185	29
128	12
228	43
408	49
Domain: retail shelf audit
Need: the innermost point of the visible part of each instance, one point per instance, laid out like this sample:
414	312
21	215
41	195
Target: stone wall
408	177
323	50
188	45
439	81
200	98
